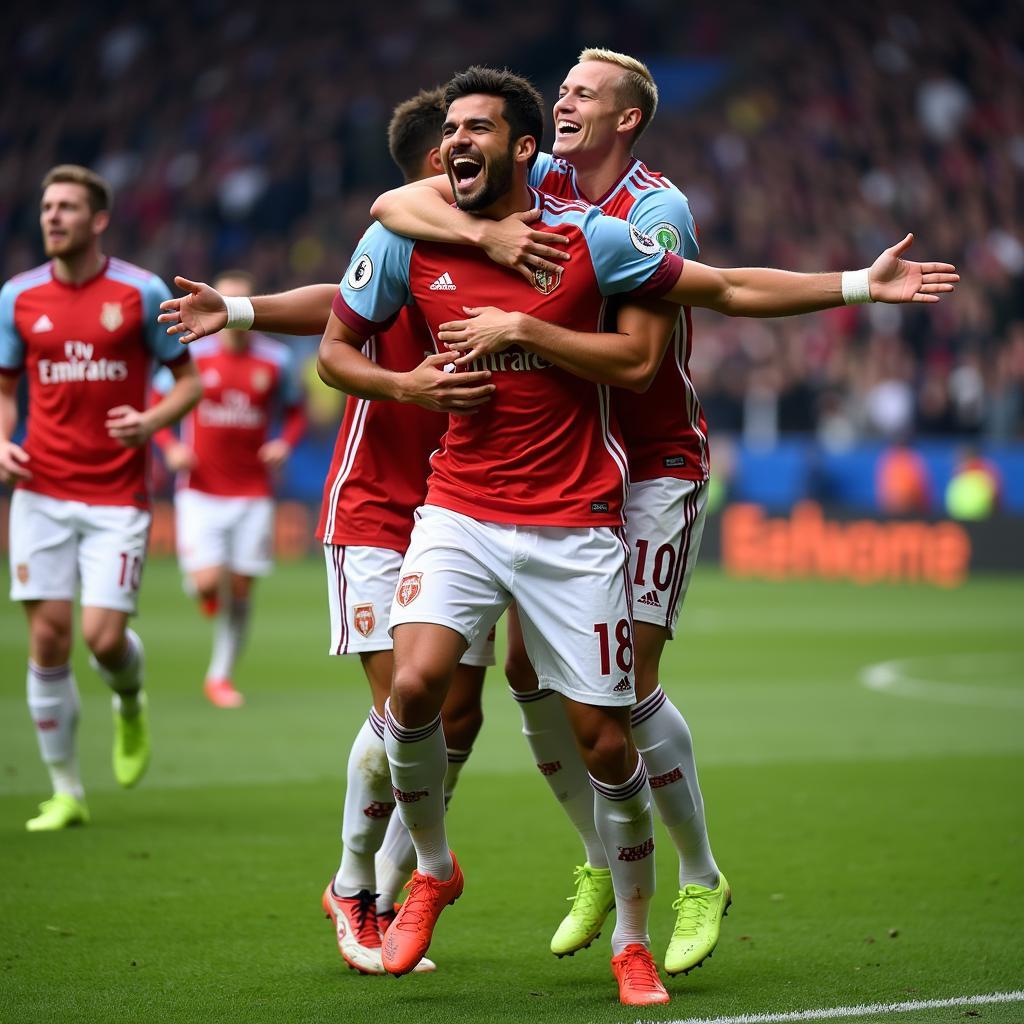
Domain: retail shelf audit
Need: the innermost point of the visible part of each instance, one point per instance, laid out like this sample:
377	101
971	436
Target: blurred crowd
807	137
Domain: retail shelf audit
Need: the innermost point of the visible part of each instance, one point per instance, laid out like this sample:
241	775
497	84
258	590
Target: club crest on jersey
667	236
643	243
111	316
361	273
546	281
260	379
21	571
210	378
409	588
364	619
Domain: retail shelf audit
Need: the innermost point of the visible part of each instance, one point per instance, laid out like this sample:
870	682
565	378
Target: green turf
874	842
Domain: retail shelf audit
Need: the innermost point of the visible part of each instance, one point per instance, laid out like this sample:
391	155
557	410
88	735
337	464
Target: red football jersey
86	348
378	473
664	428
242	391
545	449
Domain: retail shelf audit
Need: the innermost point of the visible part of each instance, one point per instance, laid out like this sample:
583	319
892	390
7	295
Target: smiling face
477	152
68	222
588	114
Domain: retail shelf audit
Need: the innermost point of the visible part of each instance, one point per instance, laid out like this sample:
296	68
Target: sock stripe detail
403	735
530	695
376	723
648	707
50	675
458	756
626	790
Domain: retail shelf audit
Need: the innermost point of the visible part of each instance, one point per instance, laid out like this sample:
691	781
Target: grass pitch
873	834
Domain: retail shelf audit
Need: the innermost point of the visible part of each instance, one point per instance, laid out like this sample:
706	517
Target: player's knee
519	671
609	755
646	679
240	587
50	640
104	639
416	694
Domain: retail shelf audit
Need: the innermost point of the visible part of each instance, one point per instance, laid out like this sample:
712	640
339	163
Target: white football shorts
570	585
664	526
55	545
237	533
361	585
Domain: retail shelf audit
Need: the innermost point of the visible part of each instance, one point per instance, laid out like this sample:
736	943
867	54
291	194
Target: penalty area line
851	1012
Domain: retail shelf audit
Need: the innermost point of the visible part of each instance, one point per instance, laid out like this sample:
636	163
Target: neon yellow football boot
591	904
131	743
699	913
62	810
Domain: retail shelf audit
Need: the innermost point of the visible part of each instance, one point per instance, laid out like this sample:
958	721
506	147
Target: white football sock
369	804
229	633
126	679
623	816
664	741
393	864
397	856
53	703
547	730
418	765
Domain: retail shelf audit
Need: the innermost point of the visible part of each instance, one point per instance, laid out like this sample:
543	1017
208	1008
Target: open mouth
466	170
564	129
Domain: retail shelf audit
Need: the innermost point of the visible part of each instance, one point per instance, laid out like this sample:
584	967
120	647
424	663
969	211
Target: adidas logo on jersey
43	324
651	599
443	284
622	685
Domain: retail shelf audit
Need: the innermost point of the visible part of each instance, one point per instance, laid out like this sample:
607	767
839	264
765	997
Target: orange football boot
222	692
384	920
410	933
637	974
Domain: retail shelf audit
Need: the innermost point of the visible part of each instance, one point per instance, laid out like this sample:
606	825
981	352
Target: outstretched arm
342	365
423	210
628	358
204	311
762	292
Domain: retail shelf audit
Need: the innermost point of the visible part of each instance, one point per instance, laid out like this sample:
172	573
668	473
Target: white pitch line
909	677
865	1010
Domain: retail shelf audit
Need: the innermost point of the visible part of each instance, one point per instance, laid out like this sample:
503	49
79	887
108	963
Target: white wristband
240	312
856	287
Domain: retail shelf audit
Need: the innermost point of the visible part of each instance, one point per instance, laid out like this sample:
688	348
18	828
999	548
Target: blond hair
101	195
635	87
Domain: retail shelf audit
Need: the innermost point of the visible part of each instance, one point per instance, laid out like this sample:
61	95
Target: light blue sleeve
664	215
377	283
291	391
12	348
540	168
165	347
624	258
163	380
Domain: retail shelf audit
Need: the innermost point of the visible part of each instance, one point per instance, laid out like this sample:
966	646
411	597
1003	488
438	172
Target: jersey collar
628	170
71	286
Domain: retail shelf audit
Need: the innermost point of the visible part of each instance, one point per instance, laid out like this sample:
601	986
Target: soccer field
861	754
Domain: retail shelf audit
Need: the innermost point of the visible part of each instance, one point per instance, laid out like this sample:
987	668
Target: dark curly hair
524	108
